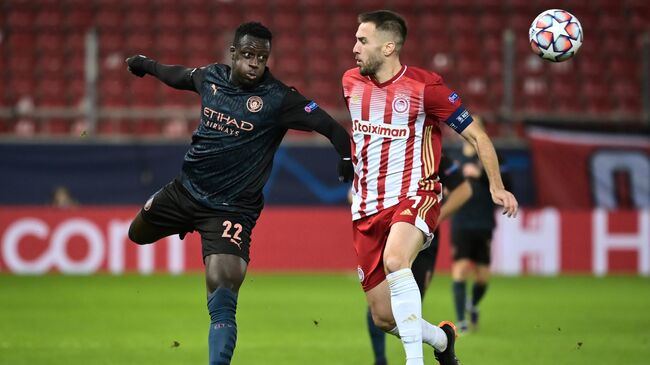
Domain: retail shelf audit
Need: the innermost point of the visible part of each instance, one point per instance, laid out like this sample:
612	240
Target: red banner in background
88	240
590	169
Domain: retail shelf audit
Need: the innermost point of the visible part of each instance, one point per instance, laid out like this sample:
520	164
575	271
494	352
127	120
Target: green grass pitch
312	319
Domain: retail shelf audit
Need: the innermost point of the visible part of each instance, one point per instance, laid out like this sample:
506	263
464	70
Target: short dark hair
254	29
388	21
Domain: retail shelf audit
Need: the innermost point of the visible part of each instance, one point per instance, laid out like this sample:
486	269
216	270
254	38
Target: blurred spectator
61	198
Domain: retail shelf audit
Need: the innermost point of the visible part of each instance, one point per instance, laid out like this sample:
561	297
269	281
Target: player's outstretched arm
301	114
475	135
178	77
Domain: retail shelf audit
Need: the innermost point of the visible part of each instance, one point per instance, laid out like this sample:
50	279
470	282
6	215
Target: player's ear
232	52
389	48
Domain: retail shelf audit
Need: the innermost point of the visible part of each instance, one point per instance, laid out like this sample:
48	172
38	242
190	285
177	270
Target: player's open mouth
251	75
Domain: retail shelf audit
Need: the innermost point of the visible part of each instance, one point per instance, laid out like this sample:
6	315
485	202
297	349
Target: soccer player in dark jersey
245	113
457	193
471	235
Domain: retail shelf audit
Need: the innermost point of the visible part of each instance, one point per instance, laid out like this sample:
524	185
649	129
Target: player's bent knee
224	283
136	237
224	271
394	263
133	236
466	267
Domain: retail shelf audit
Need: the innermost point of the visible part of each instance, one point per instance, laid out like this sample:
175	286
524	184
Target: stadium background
574	135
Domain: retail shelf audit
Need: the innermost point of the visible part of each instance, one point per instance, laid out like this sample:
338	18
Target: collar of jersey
399	74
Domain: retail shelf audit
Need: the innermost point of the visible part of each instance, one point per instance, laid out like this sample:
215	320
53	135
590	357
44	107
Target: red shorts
370	234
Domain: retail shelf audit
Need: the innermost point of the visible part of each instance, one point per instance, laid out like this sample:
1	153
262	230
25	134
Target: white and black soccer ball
555	35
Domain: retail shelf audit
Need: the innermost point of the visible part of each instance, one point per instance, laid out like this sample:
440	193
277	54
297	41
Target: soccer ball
555	35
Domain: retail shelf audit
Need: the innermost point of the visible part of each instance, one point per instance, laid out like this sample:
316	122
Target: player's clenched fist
135	65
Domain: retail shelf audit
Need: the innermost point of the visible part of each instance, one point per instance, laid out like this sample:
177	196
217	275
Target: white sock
434	336
407	311
431	335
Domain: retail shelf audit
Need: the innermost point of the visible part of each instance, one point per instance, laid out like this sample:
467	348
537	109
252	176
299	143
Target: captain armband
459	120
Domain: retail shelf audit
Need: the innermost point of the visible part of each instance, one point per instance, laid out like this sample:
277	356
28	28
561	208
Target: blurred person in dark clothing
471	235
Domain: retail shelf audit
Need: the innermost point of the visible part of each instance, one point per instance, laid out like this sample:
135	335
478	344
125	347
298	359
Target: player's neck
388	70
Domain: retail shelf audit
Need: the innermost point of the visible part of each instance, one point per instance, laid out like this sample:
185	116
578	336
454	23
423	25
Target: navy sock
459	299
378	339
478	291
222	305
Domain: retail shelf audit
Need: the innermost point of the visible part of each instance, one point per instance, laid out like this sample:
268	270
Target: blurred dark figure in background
471	234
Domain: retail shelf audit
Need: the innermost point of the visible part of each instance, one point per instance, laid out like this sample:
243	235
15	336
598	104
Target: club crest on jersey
355	99
401	104
254	104
453	97
380	129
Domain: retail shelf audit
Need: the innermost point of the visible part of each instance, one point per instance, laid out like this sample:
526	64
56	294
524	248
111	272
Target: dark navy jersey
232	149
449	173
478	212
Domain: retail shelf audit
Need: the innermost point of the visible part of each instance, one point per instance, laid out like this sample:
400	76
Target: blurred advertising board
596	168
37	240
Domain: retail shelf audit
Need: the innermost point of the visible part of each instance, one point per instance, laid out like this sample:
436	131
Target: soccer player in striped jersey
397	112
457	192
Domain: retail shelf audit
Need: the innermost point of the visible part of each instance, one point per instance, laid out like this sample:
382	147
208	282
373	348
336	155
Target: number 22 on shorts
234	238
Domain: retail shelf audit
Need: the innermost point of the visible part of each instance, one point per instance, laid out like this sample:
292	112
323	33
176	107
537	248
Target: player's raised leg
224	275
143	232
379	300
382	316
165	213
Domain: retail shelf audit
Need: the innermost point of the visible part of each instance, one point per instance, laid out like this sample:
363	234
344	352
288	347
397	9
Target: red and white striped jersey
396	135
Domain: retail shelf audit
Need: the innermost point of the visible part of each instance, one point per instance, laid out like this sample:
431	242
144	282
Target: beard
371	66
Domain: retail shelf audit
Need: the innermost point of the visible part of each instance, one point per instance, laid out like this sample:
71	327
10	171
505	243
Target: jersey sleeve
299	113
176	76
450	173
198	75
445	105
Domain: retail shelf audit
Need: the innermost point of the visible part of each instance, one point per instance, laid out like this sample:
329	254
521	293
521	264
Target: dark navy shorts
222	232
473	244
